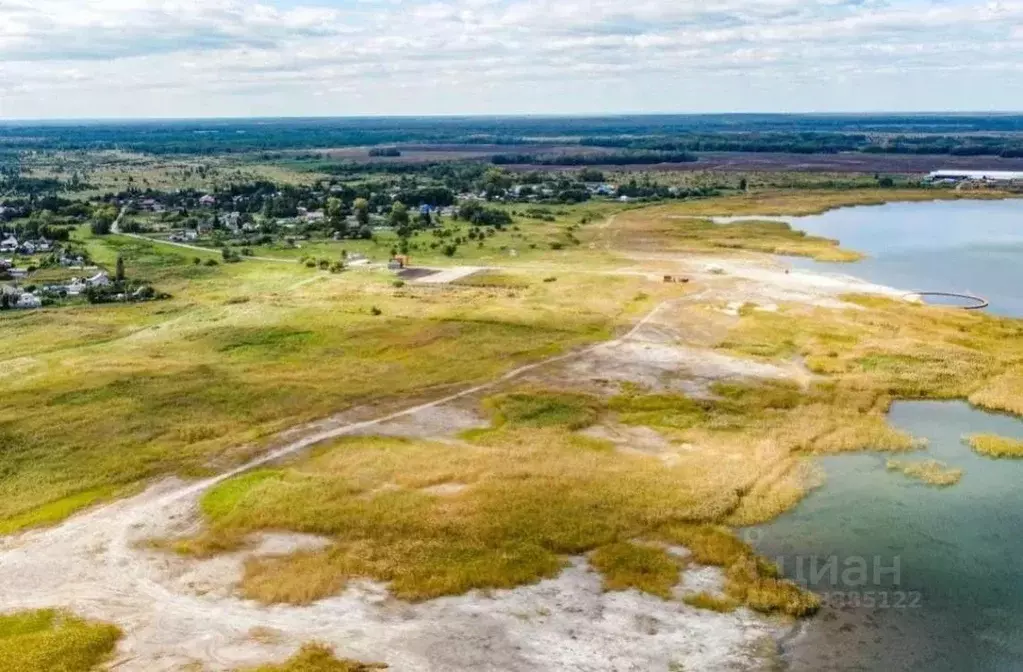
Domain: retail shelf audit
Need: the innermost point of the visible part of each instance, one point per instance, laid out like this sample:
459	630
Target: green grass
177	386
626	565
54	641
544	409
317	658
994	446
58	510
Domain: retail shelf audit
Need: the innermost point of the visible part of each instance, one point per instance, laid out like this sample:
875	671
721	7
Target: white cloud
75	58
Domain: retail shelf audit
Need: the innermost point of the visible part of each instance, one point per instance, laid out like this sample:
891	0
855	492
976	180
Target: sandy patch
449	275
659	366
176	611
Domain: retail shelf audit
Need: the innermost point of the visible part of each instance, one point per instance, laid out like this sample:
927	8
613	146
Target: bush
398	283
211	262
375	311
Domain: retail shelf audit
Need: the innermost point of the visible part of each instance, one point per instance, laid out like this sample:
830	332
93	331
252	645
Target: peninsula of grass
991	445
802	202
663	228
531	494
931	472
54	641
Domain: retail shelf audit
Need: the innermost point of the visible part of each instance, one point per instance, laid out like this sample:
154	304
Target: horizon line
603	115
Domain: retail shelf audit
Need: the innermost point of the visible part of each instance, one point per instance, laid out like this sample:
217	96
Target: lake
920	578
925	578
974	247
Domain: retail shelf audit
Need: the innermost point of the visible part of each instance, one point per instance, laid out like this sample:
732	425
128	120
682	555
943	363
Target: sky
236	58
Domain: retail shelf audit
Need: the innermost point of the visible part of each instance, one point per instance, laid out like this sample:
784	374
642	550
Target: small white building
976	176
9	244
207	201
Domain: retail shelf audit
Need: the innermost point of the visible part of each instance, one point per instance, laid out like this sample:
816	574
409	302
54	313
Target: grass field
195	383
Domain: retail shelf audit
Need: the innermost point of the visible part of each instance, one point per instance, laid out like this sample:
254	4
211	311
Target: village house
28	301
101	279
9	244
207	201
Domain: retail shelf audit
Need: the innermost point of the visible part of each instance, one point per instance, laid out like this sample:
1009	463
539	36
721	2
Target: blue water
974	247
956	602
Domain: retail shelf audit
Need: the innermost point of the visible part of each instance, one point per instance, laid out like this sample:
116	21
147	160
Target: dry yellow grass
628	565
663	228
1002	393
816	201
991	445
533	496
749	580
317	658
892	350
931	472
720	603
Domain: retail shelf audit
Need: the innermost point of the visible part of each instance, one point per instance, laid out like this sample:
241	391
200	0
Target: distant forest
953	134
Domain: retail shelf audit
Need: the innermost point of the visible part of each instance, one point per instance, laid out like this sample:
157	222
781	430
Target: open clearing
523	468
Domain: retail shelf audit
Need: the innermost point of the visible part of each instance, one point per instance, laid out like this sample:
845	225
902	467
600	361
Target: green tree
119	272
399	215
361	207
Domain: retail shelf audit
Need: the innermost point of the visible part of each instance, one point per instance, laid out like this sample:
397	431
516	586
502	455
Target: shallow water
974	247
955	601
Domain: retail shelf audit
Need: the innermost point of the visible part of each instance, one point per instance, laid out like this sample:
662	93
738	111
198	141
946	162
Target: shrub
375	311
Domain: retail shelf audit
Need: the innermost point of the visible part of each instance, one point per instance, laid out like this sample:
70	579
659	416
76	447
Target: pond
973	247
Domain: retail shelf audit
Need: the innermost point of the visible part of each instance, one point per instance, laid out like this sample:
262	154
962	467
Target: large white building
977	175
